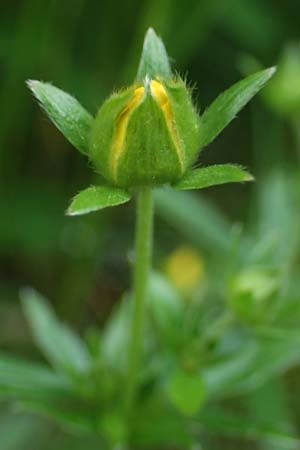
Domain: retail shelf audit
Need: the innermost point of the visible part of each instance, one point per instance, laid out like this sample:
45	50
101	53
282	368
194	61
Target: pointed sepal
154	62
95	198
213	175
225	108
65	112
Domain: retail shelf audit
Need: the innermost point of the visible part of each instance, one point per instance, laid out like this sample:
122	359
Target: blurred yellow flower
185	268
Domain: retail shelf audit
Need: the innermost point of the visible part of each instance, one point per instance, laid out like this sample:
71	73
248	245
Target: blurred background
90	48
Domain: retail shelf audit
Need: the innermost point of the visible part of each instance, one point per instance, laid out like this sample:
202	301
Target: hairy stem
143	253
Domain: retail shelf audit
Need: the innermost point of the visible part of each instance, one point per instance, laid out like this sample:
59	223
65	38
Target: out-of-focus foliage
233	337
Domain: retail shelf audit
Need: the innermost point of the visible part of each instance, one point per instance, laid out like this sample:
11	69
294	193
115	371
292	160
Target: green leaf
60	345
254	364
19	431
154	61
95	198
21	380
166	306
65	112
161	428
186	391
224	109
271	401
273	358
196	219
116	336
33	387
223	423
212	176
76	415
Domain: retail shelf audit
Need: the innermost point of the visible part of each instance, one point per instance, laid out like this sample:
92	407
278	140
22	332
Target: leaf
65	112
35	388
273	358
157	425
21	380
79	418
224	109
95	198
212	176
196	219
154	61
166	306
19	431
186	391
116	336
249	368
277	202
60	345
271	401
222	423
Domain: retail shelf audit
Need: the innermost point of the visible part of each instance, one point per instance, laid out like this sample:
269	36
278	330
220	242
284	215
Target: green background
90	48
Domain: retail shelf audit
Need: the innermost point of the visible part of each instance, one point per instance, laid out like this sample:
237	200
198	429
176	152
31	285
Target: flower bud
146	135
253	293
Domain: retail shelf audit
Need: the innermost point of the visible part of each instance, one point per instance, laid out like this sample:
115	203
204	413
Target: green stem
143	254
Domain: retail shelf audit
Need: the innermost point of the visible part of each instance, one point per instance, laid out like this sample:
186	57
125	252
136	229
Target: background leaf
21	380
196	219
60	345
223	423
255	364
166	306
186	391
22	431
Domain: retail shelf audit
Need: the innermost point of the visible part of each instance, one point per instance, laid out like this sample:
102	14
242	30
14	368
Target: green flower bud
146	135
253	293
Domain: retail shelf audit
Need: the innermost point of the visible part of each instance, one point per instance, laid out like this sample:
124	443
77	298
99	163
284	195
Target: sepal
213	175
154	61
225	108
65	112
95	198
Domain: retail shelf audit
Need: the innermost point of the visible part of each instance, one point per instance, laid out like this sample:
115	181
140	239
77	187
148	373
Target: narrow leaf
61	346
65	112
21	380
166	306
116	336
73	413
221	423
250	367
224	109
34	387
160	427
97	197
213	175
20	431
154	61
196	219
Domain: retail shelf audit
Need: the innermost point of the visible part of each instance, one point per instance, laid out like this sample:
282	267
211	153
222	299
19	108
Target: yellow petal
122	125
161	96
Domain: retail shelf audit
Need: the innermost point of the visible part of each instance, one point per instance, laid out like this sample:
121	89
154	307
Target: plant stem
143	254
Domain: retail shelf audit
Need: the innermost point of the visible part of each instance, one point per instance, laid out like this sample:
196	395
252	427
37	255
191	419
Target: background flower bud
146	135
